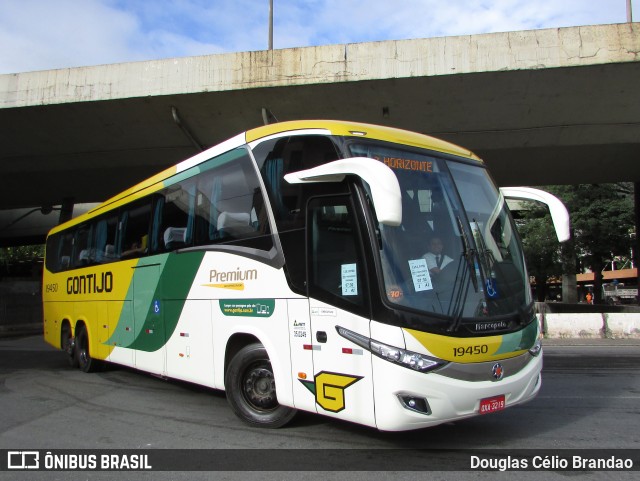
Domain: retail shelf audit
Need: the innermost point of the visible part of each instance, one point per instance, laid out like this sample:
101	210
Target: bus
289	266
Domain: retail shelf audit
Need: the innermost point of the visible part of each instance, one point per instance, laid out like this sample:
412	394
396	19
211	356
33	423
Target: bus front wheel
251	389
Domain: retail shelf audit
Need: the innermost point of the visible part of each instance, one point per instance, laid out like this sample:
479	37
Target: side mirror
559	213
385	189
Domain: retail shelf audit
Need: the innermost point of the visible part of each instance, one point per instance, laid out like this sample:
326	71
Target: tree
541	248
602	221
19	260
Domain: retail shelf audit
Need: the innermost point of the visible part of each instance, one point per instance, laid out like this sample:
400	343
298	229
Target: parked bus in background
290	266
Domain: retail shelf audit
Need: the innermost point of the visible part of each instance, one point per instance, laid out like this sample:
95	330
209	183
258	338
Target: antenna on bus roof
268	117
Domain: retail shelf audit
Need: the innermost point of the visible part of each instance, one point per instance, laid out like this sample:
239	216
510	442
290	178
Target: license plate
492	404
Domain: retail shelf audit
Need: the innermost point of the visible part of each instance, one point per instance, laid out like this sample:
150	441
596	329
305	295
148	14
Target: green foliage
20	261
601	223
540	245
11	255
601	219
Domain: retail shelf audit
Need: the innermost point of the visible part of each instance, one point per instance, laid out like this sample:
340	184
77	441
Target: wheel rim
83	354
83	357
259	387
67	344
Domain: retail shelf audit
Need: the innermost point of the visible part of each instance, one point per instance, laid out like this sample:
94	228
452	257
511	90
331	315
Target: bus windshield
456	253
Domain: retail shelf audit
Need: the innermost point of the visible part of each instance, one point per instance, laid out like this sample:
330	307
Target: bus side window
83	254
65	250
275	158
285	155
173	217
335	261
51	259
229	204
105	243
58	248
134	229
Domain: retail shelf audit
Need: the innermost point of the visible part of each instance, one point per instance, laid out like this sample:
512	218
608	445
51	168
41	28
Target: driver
436	259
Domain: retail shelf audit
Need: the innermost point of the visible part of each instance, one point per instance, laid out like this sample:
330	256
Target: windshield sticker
349	280
491	288
420	275
395	293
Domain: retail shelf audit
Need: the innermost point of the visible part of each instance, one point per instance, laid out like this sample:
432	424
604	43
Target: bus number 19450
470	350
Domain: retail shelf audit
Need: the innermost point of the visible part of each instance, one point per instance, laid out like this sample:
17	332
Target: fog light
414	403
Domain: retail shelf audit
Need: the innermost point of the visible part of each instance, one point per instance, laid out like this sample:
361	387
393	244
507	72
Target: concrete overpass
541	107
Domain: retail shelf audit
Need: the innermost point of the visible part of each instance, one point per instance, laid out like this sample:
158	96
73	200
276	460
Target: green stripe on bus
161	292
520	340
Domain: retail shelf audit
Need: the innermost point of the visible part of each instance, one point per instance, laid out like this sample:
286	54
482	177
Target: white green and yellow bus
290	266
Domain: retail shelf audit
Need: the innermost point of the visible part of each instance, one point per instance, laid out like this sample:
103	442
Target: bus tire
251	389
67	344
85	362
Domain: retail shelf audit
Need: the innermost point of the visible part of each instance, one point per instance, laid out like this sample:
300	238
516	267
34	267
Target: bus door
338	297
148	314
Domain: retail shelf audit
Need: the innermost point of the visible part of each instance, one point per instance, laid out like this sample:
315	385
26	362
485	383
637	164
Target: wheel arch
235	343
249	384
280	362
80	324
65	323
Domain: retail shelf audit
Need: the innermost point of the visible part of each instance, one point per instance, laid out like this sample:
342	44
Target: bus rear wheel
251	389
85	362
67	344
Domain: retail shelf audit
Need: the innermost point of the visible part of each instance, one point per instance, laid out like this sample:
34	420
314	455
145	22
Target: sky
53	34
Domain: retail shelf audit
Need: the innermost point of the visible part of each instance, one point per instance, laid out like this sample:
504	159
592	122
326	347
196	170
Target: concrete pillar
636	243
66	210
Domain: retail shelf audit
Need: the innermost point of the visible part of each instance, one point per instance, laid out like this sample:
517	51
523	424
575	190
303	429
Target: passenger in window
436	259
136	249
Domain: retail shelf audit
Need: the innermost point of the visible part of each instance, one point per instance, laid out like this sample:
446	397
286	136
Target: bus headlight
396	355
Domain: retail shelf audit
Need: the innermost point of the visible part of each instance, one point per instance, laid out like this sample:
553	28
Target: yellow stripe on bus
356	129
464	350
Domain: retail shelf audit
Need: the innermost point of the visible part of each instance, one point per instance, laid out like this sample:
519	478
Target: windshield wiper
485	255
488	265
468	253
461	288
461	298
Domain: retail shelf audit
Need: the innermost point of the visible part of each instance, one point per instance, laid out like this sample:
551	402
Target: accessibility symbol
491	289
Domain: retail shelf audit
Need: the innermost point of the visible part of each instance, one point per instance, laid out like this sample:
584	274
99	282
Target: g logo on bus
329	387
497	371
